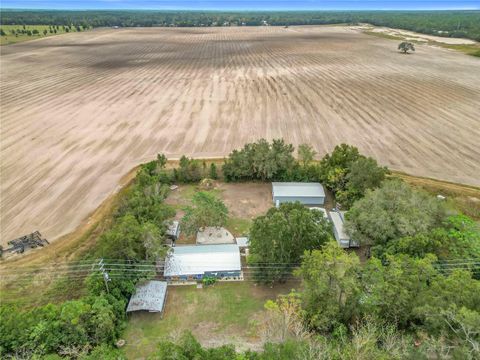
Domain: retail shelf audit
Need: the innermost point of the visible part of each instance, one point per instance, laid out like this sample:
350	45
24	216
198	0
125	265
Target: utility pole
104	272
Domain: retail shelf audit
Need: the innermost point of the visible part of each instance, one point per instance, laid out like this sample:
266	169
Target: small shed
149	297
194	262
173	230
309	194
338	221
242	242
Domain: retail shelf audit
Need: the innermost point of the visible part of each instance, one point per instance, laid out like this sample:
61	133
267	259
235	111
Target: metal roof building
306	193
197	261
150	297
338	220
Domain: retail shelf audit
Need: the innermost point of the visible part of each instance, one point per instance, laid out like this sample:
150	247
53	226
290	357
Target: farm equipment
30	241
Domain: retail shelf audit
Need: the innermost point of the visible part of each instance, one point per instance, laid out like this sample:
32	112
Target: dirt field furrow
79	111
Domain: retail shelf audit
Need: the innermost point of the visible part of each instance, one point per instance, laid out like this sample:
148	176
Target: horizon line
241	9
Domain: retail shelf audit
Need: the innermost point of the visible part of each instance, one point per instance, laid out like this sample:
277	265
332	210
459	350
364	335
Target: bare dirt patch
246	200
79	111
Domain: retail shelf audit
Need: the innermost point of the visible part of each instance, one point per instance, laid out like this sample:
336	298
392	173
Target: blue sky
245	4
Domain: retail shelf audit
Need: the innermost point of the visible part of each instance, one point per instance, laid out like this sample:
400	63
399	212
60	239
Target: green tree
145	201
272	160
349	174
331	286
161	161
213	171
464	235
124	240
406	46
334	166
208	210
362	174
104	352
393	291
189	170
101	321
153	239
392	211
306	154
418	245
188	348
464	324
447	293
284	319
279	238
260	160
457	238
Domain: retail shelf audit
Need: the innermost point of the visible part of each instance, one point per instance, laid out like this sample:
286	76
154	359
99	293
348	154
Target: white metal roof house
150	297
338	220
310	194
194	262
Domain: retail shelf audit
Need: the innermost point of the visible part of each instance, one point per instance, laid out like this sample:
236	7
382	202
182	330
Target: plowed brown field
78	111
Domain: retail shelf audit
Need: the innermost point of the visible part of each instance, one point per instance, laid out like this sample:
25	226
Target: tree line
465	24
345	172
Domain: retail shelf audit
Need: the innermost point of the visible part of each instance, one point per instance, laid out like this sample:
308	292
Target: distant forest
465	24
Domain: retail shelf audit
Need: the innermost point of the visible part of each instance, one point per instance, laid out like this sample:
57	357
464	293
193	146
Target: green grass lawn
228	312
10	38
36	288
238	226
383	35
473	49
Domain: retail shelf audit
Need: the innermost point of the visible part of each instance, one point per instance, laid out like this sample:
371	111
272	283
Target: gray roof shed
242	241
303	192
150	297
338	220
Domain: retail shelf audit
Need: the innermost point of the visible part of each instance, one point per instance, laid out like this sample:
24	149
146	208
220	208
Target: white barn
309	194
